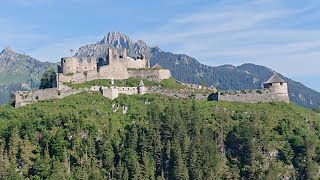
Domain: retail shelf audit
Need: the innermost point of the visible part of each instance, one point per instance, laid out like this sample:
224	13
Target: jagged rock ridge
114	40
188	69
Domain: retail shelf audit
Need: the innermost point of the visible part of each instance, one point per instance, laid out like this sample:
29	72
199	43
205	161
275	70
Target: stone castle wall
113	92
255	96
115	72
22	98
183	94
150	74
137	63
115	60
70	65
114	66
281	88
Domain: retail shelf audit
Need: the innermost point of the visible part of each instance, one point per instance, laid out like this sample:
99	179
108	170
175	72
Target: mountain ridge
183	67
188	69
19	72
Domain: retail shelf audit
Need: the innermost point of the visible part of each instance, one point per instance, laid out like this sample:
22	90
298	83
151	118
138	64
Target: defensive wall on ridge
22	98
275	90
250	96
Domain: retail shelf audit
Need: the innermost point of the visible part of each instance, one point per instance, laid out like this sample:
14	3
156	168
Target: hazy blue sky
281	34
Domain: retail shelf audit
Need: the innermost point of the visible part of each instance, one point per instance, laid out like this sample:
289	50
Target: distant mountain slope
188	69
228	77
19	72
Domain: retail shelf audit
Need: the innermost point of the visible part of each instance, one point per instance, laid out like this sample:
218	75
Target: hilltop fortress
275	90
116	65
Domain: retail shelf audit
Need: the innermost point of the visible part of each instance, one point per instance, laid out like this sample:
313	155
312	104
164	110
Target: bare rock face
115	40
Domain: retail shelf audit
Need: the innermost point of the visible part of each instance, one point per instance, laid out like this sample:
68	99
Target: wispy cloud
263	32
279	34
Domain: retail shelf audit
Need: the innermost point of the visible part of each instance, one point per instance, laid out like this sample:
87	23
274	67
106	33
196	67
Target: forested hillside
157	137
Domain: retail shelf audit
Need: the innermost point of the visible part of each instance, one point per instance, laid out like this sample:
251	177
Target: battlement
275	90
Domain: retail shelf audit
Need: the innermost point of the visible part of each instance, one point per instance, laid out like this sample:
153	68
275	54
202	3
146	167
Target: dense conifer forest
87	136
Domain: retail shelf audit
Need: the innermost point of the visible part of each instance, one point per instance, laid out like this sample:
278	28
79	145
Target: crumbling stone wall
255	96
150	74
22	98
137	63
113	92
71	65
183	93
115	72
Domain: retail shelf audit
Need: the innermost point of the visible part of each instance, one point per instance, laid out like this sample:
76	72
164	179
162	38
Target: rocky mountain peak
7	51
116	39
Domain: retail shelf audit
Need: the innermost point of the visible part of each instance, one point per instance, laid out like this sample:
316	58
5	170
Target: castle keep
275	90
114	65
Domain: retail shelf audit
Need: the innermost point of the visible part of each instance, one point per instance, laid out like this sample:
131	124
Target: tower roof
275	79
141	83
157	66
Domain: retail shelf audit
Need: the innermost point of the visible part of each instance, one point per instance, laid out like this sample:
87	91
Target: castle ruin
115	65
275	90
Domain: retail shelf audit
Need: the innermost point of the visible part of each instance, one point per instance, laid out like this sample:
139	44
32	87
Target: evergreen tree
47	79
180	170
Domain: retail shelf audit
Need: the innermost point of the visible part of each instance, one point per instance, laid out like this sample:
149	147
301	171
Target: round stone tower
69	65
278	87
141	88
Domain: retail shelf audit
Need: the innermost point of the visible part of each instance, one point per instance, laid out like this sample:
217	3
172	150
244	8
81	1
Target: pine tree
148	168
57	171
25	154
14	145
125	175
167	160
311	171
180	170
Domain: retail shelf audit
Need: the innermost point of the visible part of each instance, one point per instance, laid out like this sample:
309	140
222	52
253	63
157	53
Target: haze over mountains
183	68
19	72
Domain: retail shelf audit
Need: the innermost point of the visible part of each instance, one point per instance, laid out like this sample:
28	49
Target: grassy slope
131	82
